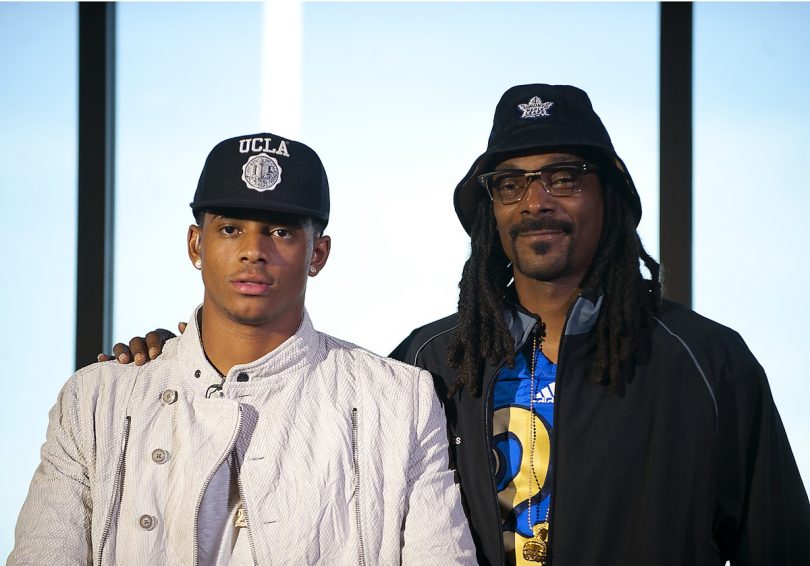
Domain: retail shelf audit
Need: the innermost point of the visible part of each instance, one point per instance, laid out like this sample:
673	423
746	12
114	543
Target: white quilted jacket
346	461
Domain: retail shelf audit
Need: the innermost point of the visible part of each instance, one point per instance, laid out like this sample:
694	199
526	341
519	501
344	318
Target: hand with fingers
142	349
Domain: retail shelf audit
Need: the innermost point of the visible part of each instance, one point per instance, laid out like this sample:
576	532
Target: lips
547	227
541	233
251	283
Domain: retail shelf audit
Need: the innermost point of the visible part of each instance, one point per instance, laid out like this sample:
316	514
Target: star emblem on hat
535	108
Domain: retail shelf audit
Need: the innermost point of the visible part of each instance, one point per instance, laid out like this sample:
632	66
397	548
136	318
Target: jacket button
147	522
169	396
197	373
159	457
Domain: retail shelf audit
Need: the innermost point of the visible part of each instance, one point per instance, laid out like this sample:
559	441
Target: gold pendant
241	521
536	548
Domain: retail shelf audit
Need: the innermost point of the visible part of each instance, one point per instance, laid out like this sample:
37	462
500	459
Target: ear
320	253
193	241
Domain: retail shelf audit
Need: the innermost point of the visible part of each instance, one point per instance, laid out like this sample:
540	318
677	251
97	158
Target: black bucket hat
264	172
544	118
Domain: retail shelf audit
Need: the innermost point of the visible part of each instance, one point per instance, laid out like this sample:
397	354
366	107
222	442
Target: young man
590	421
254	439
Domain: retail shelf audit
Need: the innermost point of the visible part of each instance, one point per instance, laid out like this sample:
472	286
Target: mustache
537	224
251	273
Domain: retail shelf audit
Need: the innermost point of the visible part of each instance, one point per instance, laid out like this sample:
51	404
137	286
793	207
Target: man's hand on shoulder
142	349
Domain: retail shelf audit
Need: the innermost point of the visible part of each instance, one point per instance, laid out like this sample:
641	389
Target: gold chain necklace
536	548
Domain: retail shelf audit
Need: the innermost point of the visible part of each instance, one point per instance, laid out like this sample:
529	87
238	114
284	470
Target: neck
550	300
228	343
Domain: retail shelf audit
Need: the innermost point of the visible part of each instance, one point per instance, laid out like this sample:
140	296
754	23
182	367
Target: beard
247	318
535	261
542	261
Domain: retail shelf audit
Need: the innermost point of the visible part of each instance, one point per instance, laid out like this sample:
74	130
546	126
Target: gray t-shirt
222	534
220	541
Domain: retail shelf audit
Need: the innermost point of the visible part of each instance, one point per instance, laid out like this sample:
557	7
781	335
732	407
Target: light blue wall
38	53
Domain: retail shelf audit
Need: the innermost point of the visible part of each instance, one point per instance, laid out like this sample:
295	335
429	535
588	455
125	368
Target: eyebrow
280	221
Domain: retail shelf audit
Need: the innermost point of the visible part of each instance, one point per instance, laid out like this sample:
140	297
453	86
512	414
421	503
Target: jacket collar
298	350
581	319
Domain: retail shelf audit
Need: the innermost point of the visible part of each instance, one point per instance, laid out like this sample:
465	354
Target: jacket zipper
238	469
488	444
118	488
205	486
555	430
355	463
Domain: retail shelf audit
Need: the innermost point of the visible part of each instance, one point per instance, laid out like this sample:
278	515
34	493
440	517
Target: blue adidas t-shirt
511	442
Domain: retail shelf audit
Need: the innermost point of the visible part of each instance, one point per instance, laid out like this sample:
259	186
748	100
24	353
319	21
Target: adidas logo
545	395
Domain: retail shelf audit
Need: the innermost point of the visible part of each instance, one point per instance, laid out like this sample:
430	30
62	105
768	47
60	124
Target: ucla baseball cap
543	118
264	172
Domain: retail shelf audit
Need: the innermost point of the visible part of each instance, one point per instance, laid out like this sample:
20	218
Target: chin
542	262
546	272
248	318
543	268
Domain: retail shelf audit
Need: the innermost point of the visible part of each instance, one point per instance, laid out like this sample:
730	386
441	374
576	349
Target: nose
255	247
537	200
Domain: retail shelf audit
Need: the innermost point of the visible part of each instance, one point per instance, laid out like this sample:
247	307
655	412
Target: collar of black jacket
581	319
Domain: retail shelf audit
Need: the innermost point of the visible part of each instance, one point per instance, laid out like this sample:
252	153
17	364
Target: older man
255	439
592	422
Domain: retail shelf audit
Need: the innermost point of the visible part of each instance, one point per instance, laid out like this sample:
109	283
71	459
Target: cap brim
253	205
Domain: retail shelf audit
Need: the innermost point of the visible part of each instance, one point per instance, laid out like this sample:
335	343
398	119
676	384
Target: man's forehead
538	159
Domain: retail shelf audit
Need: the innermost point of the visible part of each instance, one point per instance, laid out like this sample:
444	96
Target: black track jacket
689	465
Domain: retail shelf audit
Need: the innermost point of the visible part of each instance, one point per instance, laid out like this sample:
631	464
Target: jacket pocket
115	500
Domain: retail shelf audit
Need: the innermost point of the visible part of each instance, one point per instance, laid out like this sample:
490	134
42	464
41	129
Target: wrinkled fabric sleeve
54	524
763	514
435	529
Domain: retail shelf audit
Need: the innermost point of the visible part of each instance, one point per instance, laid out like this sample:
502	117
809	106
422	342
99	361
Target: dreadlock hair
629	304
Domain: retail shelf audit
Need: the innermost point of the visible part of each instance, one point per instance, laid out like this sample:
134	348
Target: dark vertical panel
676	150
96	151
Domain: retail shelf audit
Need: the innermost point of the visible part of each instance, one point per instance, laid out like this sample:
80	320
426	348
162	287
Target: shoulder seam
699	368
426	342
